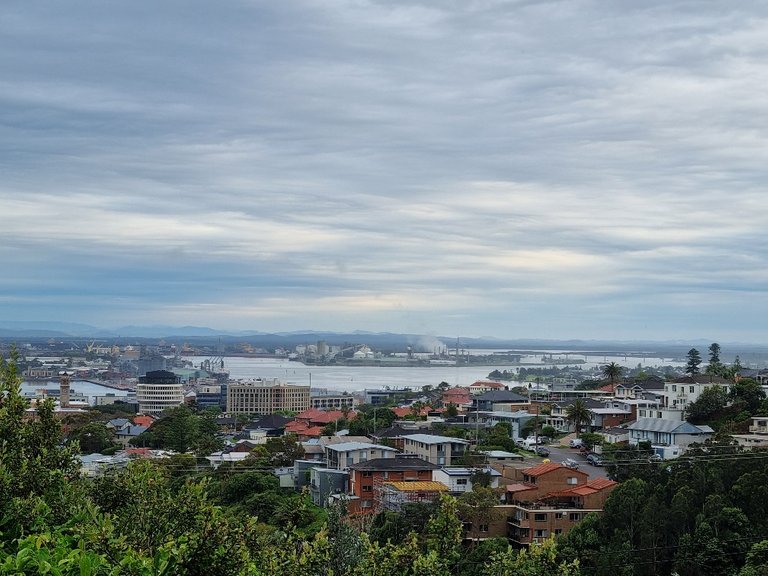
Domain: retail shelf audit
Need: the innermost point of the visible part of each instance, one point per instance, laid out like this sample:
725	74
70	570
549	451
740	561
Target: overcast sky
531	169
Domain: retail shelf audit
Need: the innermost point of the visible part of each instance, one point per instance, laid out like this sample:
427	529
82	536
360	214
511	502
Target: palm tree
612	372
578	414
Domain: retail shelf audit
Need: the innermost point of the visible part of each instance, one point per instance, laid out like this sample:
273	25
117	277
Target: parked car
655	458
542	450
575	443
571	463
594	459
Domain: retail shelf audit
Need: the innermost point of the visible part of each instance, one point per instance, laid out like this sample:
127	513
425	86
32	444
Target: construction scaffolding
394	495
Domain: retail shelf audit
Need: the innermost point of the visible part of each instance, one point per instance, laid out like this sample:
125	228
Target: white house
668	438
460	479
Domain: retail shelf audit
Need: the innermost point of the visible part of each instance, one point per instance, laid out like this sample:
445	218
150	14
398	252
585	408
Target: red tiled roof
488	384
296	426
600	483
143	421
543	468
313	432
519	487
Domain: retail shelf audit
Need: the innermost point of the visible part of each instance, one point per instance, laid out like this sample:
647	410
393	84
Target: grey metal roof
500	396
347	446
434	439
396	463
669	426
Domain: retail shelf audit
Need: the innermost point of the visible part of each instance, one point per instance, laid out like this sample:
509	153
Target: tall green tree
612	373
578	414
694	360
39	474
715	367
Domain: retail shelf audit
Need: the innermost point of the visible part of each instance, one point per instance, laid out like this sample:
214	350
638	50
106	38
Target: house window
691	389
558	515
483	527
461	481
540	533
674	387
572	480
367	474
540	517
367	488
558	531
574	516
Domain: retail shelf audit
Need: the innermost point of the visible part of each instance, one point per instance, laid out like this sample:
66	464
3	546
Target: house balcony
758	429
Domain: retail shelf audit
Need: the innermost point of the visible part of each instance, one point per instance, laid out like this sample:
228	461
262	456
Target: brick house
366	478
550	499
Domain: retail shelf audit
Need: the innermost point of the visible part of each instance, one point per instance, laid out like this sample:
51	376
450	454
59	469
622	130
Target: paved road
558	454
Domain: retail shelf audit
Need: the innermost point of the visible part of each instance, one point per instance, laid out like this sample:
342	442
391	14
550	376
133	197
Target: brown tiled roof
542	468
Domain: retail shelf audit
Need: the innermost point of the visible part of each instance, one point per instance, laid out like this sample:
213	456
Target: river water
354	378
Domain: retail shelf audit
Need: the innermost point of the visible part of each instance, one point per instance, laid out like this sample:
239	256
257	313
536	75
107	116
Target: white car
575	443
571	463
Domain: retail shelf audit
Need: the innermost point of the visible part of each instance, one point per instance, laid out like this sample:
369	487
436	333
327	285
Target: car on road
542	451
571	463
655	458
594	459
575	443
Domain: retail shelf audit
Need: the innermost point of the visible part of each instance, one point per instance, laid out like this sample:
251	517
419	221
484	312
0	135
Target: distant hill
385	341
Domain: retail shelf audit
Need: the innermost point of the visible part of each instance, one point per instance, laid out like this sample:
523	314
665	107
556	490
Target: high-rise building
159	390
266	396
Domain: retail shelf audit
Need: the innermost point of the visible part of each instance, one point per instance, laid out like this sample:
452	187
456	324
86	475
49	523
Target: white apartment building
158	391
266	396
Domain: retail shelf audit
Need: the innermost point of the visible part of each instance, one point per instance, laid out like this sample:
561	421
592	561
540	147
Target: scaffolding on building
394	495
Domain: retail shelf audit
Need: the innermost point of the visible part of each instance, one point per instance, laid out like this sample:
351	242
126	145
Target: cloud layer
521	169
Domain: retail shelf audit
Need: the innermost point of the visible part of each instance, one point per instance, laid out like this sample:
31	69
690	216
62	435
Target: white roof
434	439
348	446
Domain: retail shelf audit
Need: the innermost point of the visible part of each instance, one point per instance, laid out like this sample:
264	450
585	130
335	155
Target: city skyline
508	169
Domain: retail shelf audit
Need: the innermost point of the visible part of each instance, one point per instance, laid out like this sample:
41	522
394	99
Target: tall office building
157	391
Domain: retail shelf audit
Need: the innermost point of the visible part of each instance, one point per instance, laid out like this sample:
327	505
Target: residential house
614	435
515	420
365	478
682	392
325	482
342	455
440	450
668	438
758	434
550	499
459	479
638	388
458	396
271	426
482	386
500	401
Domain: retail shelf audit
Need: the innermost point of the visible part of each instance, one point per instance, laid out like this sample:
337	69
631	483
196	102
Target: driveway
558	454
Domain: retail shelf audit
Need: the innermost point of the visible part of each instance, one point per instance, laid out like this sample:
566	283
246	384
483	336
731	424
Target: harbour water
354	378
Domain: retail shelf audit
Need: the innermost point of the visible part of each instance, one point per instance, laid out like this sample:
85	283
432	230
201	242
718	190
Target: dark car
595	459
542	450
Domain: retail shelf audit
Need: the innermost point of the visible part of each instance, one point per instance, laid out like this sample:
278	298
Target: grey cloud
511	168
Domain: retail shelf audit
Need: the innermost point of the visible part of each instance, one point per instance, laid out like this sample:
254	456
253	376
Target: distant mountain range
381	340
